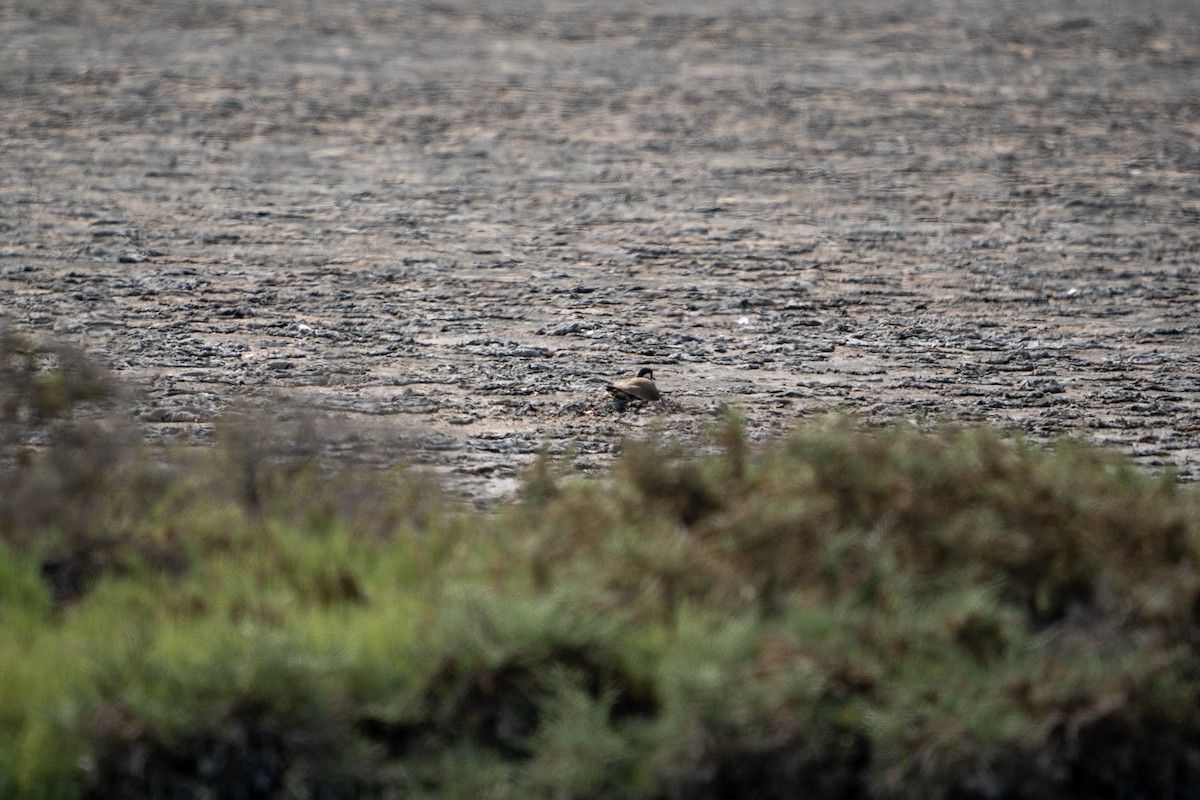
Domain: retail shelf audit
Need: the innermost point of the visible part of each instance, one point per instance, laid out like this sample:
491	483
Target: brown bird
634	390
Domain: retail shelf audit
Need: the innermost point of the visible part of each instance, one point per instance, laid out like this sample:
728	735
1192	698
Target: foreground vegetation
847	613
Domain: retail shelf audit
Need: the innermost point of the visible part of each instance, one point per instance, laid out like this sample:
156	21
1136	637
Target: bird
634	390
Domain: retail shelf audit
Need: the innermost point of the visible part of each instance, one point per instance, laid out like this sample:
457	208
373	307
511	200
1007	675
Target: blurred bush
847	613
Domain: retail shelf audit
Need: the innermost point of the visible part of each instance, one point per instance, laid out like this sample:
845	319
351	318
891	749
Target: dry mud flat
445	224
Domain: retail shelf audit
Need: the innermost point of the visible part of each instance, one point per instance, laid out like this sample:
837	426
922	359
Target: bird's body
634	390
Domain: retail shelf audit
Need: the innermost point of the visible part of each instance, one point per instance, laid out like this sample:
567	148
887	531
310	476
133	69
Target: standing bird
634	390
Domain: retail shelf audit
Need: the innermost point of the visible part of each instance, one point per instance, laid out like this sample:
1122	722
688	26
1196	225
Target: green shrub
886	613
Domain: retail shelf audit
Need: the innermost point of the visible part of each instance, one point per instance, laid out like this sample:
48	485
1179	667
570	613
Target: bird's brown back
634	389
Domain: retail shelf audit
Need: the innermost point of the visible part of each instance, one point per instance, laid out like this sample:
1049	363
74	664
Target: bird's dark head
646	372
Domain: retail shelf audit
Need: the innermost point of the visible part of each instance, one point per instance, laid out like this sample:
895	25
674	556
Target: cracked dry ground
446	224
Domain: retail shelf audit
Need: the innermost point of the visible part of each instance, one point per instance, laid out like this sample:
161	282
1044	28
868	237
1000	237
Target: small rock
563	330
169	415
68	326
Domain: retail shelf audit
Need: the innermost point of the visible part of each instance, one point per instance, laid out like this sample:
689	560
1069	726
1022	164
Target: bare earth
446	224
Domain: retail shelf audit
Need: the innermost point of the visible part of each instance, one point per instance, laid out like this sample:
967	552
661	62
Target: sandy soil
447	223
